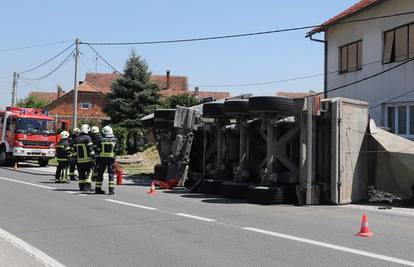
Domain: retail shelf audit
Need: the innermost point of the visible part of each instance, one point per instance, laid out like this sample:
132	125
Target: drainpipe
325	76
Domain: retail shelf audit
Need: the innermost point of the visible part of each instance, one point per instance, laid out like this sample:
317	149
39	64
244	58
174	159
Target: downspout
325	76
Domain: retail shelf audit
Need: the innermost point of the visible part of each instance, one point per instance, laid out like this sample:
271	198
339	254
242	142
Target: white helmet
76	130
95	129
85	128
64	135
107	131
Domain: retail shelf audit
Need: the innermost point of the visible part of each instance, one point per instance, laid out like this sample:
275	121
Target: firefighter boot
99	191
112	191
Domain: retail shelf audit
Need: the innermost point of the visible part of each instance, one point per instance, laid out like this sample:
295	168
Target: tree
184	100
32	102
133	94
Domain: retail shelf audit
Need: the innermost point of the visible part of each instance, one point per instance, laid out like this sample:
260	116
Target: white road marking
195	217
332	246
27	183
40	256
130	204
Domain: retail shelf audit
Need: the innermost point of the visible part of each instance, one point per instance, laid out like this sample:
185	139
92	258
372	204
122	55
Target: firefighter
72	163
95	135
85	157
108	144
63	155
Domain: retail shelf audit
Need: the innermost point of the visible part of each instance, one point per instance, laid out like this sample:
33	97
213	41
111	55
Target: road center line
27	183
40	256
331	246
130	204
195	217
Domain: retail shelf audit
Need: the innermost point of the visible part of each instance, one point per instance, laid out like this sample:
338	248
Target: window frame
358	57
409	46
85	103
408	126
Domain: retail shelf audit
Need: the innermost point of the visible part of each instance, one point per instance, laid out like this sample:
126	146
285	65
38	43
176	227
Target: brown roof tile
44	96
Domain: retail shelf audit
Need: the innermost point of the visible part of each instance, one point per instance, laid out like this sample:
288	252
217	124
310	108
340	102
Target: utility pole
75	86
14	89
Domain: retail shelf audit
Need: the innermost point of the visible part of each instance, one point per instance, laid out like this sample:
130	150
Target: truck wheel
236	106
268	195
234	190
210	187
160	172
43	162
213	110
5	160
271	104
165	114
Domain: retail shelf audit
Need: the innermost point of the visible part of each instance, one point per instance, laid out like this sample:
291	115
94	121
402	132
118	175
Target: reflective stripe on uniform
105	152
62	159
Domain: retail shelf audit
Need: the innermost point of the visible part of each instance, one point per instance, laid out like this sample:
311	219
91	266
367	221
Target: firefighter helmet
76	130
85	128
64	135
107	131
95	129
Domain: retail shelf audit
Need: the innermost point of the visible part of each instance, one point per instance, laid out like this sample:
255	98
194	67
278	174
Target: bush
121	134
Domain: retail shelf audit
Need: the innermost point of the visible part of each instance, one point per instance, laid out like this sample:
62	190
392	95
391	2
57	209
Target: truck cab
26	134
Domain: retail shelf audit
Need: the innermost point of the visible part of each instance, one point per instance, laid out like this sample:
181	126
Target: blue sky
233	61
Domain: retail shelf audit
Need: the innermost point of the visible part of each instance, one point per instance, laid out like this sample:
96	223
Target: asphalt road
175	228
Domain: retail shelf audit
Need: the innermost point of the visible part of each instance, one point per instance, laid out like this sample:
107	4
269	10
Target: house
364	47
48	97
92	93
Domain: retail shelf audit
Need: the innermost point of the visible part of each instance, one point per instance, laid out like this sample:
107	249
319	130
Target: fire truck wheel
268	195
210	187
165	114
5	160
213	110
234	190
236	106
163	125
271	104
43	162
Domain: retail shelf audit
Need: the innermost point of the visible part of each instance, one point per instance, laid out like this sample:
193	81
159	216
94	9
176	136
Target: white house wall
385	87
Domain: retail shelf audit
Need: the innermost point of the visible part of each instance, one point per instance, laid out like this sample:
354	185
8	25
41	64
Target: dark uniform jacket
107	146
63	150
84	148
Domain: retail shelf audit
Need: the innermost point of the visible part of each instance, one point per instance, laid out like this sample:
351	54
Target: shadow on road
28	172
224	201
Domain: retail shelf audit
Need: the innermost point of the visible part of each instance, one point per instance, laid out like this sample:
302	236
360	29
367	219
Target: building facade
368	55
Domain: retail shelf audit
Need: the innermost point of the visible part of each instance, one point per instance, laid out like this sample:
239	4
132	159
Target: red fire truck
26	134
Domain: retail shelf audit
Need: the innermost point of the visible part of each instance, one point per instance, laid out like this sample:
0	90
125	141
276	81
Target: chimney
59	91
167	86
196	90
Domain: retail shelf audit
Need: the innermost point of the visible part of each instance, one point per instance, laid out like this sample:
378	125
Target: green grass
137	168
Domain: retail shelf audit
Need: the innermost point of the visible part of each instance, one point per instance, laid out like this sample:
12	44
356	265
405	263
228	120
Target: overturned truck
272	150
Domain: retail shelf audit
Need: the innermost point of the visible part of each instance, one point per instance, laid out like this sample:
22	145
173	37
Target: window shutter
344	59
352	57
359	54
401	43
411	41
388	46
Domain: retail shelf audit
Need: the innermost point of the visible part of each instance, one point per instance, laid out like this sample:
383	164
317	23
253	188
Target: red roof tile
358	7
296	94
45	96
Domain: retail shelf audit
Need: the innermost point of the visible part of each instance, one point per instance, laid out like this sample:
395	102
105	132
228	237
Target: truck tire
268	195
160	172
210	187
234	190
271	104
164	114
43	162
5	159
213	110
163	125
236	106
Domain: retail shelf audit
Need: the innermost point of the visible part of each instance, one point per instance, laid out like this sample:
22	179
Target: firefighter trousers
62	171
72	168
85	174
103	165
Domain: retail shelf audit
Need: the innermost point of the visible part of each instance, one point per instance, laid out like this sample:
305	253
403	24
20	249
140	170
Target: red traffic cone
365	231
119	174
152	189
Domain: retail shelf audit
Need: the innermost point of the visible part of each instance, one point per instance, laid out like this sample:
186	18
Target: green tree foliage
184	100
31	102
133	94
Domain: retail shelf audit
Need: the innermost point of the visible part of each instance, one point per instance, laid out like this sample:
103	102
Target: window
400	119
351	57
85	105
398	44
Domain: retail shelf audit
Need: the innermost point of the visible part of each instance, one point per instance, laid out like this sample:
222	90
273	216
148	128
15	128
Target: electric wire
103	59
47	61
34	46
228	36
52	71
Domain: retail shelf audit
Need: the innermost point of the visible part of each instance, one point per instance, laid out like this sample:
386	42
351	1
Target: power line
104	60
228	36
47	61
34	46
52	71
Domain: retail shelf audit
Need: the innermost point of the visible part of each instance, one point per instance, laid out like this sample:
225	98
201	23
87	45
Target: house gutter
325	76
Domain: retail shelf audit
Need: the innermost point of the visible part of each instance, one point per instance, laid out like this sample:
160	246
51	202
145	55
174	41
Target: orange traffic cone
365	231
152	189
